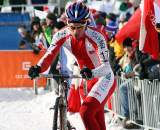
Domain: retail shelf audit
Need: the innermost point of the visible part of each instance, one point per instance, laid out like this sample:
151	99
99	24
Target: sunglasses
80	22
76	27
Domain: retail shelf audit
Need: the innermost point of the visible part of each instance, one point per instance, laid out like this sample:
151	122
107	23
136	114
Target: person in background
147	66
127	63
36	28
111	17
89	47
42	41
59	25
27	40
51	20
99	18
22	45
126	6
150	65
116	50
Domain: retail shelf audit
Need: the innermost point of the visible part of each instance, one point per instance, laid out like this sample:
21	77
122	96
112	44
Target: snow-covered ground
21	109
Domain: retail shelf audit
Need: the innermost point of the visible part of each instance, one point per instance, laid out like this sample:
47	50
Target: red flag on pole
131	28
148	35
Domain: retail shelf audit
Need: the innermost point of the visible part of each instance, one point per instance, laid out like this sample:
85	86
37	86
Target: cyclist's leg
100	114
88	112
101	119
101	91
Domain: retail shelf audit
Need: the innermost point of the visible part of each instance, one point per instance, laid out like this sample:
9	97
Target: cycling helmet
77	12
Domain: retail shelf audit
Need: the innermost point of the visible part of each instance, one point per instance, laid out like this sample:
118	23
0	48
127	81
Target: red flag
131	28
148	35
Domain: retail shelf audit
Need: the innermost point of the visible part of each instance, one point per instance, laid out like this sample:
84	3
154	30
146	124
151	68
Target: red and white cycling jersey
90	51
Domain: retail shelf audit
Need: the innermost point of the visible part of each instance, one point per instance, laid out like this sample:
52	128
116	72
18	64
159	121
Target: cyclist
88	45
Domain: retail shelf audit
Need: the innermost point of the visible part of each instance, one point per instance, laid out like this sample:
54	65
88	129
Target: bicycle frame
61	101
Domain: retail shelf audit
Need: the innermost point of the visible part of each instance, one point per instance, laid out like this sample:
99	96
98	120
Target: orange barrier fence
14	67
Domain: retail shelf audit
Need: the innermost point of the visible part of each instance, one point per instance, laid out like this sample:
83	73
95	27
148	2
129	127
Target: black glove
34	71
86	73
36	50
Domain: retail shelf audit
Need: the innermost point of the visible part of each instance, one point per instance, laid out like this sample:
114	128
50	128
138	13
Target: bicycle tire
60	121
62	115
64	123
55	115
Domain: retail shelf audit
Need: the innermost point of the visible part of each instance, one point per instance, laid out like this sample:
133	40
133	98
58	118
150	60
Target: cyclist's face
77	29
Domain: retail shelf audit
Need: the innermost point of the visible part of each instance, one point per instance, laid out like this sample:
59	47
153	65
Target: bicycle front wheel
55	117
62	115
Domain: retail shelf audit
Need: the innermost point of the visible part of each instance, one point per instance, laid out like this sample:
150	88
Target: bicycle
60	106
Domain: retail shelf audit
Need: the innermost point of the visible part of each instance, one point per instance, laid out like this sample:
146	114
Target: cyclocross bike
60	121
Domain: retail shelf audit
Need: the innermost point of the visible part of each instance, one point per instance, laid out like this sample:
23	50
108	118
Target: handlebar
59	76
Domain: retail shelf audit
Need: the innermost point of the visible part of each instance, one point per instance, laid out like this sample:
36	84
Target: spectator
42	41
35	28
27	40
22	45
147	66
127	63
111	17
123	19
51	20
26	37
111	24
115	49
100	17
111	28
126	11
59	25
125	6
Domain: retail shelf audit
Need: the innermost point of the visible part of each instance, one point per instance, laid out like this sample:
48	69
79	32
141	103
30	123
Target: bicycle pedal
73	128
70	127
51	108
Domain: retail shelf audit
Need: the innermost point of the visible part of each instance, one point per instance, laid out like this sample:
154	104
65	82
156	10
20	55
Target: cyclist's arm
52	52
103	54
104	68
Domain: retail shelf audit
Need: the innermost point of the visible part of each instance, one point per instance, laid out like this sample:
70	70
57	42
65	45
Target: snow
21	109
